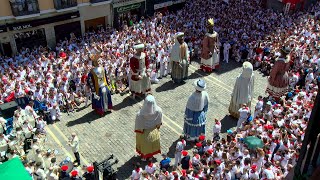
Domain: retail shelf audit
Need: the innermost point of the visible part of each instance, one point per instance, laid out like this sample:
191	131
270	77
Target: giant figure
147	125
101	96
180	59
196	111
139	82
243	90
278	82
210	49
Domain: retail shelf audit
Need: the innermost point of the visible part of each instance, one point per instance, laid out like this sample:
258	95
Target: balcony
24	7
64	4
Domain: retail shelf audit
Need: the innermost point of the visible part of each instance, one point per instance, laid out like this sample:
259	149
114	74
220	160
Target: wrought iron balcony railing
24	7
63	4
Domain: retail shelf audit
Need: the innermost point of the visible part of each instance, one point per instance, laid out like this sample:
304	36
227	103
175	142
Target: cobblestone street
114	133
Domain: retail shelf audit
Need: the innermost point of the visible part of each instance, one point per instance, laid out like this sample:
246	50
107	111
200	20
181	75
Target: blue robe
99	104
195	121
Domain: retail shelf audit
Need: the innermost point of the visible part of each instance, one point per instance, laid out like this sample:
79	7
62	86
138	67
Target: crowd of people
57	78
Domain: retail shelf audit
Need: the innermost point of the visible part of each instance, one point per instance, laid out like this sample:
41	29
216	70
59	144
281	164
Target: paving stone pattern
114	133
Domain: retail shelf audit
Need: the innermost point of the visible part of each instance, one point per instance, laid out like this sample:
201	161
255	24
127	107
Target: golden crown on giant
211	22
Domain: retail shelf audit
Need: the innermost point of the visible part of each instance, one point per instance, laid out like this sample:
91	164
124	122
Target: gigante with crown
210	49
101	96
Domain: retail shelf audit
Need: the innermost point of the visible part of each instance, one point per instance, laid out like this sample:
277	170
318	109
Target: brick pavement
113	133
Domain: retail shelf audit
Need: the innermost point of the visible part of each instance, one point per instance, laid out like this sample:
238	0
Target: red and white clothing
210	53
258	108
179	148
136	174
139	67
253	175
216	128
150	168
278	82
243	112
268	174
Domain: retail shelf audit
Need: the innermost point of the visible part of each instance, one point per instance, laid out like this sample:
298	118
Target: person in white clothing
31	113
258	108
216	129
226	48
253	173
179	148
54	112
52	174
244	112
154	74
267	173
136	173
74	143
150	168
88	94
39	173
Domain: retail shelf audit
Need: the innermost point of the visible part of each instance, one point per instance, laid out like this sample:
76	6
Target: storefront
64	31
164	6
126	12
42	32
94	18
95	24
30	39
5	47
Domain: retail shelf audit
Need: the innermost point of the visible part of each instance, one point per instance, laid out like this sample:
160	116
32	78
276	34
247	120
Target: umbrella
253	142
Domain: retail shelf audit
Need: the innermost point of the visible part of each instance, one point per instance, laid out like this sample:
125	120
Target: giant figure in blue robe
101	96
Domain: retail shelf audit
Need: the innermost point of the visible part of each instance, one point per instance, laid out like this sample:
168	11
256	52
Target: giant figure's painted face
100	72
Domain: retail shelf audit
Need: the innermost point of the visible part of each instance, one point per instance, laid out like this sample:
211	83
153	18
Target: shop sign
25	26
128	7
39	22
119	3
162	5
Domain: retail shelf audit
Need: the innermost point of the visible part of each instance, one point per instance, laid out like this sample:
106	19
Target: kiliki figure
101	96
180	59
196	111
147	125
210	49
243	90
139	82
278	82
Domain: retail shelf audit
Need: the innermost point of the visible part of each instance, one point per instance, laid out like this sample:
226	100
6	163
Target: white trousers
226	56
239	123
256	113
88	96
163	70
177	158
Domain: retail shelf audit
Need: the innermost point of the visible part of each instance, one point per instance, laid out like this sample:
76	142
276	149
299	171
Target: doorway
31	39
64	31
7	50
95	24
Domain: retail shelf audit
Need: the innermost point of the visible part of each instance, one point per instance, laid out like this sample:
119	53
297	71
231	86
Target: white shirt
180	146
136	175
259	106
226	46
150	169
75	144
216	128
54	112
244	113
